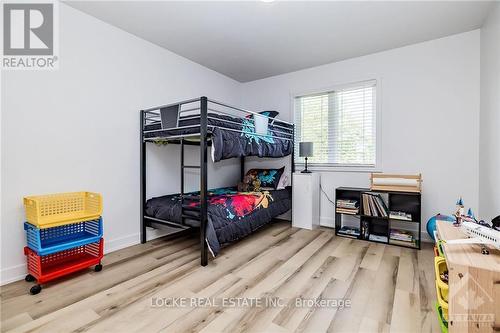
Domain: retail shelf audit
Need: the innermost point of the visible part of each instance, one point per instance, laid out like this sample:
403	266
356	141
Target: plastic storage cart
52	210
64	235
51	240
440	268
52	266
442	322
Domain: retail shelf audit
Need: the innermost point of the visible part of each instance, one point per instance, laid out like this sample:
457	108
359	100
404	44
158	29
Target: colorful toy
459	212
460	216
431	224
478	234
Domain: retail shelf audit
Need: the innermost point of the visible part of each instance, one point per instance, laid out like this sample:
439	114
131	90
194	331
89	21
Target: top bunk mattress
232	136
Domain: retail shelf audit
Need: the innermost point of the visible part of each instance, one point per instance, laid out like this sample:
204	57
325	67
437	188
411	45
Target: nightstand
306	196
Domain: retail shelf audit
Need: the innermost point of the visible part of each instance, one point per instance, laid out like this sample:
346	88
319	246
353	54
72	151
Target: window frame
378	128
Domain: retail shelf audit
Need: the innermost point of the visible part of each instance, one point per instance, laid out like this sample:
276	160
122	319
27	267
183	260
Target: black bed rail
203	180
153	112
168	117
188	101
160	120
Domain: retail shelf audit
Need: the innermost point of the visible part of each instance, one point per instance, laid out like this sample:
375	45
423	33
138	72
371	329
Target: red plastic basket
55	265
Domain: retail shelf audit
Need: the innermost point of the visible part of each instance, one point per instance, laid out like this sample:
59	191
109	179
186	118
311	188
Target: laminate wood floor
390	289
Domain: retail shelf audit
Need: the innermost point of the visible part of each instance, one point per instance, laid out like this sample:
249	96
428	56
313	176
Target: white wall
77	128
489	149
430	115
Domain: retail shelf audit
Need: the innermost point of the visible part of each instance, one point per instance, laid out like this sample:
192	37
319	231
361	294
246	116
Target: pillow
268	177
283	183
270	114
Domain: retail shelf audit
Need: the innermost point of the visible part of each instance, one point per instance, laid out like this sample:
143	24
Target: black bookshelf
408	202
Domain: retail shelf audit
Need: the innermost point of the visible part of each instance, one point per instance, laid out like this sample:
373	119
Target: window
341	123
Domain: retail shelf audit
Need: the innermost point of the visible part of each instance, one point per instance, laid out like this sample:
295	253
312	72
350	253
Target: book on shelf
349	231
400	216
380	207
401	233
377	238
344	203
347	206
348	203
402	237
383	203
348	235
403	243
371	203
374	205
347	211
367	209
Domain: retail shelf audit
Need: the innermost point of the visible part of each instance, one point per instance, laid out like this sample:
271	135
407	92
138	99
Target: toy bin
440	248
441	315
52	266
440	268
442	302
436	252
47	211
51	240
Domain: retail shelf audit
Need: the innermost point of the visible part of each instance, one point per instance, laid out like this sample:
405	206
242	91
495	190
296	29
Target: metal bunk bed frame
168	116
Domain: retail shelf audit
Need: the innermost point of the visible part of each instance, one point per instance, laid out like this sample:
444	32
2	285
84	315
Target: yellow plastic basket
442	302
52	210
440	267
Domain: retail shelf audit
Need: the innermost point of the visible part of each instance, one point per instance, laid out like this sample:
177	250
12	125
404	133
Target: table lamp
305	150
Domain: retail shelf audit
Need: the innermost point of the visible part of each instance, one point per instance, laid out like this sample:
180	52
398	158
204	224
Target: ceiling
253	40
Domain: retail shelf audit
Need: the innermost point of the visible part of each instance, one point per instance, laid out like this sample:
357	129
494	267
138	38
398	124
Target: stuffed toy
250	183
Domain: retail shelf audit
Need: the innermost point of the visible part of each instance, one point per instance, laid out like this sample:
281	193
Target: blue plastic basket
51	240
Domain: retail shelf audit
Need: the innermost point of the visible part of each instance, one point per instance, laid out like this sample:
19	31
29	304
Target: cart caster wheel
98	268
35	289
29	278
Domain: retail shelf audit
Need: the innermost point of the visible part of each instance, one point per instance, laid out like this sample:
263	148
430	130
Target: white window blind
341	124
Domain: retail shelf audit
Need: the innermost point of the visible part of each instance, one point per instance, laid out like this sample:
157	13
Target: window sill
340	168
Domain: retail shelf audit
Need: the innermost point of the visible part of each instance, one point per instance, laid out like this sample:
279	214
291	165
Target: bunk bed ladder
197	212
182	182
188	211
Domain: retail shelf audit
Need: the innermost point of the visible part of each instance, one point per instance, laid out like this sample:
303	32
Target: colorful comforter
232	215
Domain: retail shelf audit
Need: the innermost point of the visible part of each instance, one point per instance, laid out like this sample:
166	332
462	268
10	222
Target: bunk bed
231	132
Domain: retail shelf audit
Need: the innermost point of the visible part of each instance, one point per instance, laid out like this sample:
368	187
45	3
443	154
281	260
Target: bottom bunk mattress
232	215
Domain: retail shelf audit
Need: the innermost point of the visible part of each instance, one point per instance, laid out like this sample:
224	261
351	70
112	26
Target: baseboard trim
120	243
426	238
328	222
13	274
